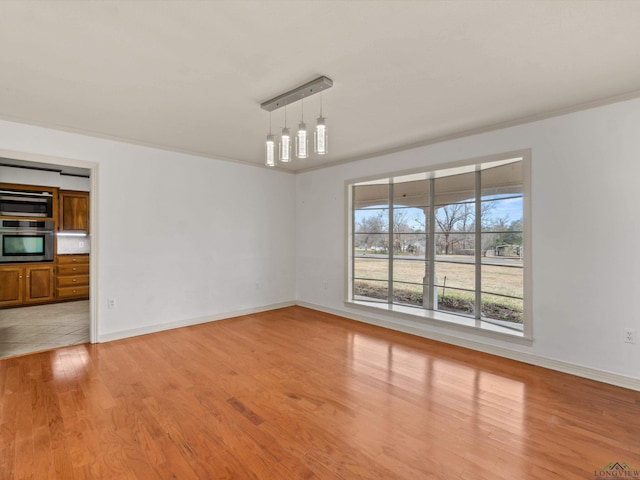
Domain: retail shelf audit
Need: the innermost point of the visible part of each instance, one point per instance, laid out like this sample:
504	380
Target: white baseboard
134	332
550	363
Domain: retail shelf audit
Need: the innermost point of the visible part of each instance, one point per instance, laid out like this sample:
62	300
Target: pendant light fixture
320	135
302	134
285	141
270	148
302	143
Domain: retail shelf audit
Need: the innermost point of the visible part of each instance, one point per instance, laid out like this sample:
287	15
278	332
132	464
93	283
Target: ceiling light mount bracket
311	88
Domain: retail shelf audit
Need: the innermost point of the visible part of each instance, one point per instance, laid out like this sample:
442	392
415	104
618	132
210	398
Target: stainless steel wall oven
17	203
26	241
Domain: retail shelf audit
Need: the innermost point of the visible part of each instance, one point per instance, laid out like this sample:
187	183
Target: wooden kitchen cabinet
38	283
11	285
26	284
72	277
74	211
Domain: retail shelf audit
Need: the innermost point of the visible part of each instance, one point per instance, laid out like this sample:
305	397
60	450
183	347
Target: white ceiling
190	75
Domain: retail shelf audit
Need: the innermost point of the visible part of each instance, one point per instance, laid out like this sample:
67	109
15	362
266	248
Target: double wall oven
25	234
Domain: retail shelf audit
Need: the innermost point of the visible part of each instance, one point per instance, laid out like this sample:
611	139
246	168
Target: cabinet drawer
73	259
73	281
73	270
73	292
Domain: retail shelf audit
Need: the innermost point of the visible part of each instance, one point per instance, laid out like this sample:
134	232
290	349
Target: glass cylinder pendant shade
285	146
320	137
302	142
270	151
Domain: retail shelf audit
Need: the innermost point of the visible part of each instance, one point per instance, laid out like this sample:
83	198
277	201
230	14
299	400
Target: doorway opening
70	318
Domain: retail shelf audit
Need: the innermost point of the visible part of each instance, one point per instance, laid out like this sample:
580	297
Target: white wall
180	238
585	228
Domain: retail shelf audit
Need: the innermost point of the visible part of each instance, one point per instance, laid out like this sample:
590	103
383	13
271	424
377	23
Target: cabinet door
11	285
74	210
39	283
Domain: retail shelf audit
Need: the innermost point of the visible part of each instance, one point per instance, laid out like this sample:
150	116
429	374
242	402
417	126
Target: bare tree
459	218
450	218
485	210
371	230
401	229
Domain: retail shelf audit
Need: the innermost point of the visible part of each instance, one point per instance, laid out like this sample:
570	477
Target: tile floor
42	327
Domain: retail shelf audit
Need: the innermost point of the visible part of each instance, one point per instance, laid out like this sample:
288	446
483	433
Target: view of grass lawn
454	275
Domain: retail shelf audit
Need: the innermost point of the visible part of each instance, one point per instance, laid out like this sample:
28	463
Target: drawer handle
74	259
74	280
75	291
74	269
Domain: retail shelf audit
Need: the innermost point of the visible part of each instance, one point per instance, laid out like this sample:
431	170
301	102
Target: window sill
444	320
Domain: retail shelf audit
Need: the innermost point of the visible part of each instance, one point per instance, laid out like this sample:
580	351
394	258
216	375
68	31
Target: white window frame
440	318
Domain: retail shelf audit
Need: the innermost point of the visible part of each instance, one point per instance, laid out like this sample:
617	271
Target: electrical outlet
629	335
111	303
325	284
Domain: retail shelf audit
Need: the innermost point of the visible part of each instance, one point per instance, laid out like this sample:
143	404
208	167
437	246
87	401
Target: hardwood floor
298	394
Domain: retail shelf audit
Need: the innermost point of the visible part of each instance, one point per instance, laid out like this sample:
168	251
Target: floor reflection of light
369	352
503	396
483	412
70	364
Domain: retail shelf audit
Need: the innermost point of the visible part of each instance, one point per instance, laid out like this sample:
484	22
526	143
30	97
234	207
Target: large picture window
447	244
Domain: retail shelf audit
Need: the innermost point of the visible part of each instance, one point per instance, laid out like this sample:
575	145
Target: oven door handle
20	231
